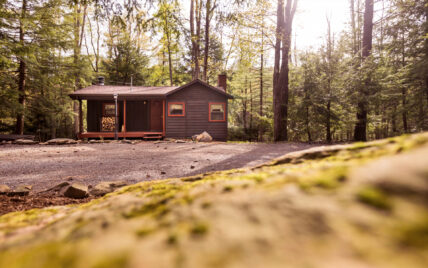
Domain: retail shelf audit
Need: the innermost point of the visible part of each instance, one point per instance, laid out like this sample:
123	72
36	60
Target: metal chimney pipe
101	80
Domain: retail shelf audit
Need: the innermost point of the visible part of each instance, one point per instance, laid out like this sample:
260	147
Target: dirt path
46	166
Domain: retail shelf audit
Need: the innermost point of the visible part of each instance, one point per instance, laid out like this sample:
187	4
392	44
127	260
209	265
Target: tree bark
261	82
282	80
79	26
360	133
207	39
276	69
22	69
168	40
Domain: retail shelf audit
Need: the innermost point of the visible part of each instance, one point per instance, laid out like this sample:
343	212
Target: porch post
80	118
163	117
124	117
116	123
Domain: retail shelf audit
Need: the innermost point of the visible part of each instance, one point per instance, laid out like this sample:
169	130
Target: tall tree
360	132
21	71
281	74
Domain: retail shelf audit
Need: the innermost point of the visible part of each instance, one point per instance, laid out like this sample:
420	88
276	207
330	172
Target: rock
180	141
194	137
94	141
4	189
24	188
59	187
21	190
106	187
43	143
204	137
61	141
77	191
24	142
163	172
192	167
170	139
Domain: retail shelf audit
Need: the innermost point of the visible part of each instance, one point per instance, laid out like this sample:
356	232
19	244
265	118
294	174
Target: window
109	109
176	109
217	112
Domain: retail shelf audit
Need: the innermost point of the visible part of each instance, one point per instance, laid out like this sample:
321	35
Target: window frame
176	115
224	111
104	109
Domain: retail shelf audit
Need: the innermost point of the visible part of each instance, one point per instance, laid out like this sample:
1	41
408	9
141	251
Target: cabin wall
137	116
196	119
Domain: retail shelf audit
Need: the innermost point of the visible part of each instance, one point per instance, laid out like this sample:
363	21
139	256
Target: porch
131	118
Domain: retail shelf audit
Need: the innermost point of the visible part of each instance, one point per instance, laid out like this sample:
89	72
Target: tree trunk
22	69
207	39
426	57
360	133
198	38
281	79
404	113
168	40
261	87
276	89
79	27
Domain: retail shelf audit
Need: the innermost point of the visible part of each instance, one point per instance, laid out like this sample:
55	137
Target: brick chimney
222	81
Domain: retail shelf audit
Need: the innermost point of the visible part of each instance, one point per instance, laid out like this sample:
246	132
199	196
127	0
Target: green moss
415	234
375	198
116	261
143	232
199	229
227	189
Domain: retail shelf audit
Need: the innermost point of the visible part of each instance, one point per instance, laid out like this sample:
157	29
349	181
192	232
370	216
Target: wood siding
137	116
196	98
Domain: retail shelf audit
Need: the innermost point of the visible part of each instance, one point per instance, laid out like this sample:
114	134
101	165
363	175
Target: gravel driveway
45	166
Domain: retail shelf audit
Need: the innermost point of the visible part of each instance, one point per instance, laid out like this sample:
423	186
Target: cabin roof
137	91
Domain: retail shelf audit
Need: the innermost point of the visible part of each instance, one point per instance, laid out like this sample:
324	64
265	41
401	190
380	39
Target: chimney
100	80
222	81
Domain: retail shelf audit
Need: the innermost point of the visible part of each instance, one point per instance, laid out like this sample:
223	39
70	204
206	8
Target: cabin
154	112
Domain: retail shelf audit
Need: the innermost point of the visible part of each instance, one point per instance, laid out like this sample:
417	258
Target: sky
310	20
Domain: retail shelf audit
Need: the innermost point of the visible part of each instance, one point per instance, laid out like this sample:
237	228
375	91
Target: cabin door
156	115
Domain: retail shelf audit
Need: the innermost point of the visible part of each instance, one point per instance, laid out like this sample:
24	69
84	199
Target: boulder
106	187
24	142
61	141
77	191
204	137
4	189
194	137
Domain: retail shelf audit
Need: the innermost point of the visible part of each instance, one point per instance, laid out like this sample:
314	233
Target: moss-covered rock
358	205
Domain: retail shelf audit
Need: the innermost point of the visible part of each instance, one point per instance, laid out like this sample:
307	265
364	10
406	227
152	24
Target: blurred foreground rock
358	205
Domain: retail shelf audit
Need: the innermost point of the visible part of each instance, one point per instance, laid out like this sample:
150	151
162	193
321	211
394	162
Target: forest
368	81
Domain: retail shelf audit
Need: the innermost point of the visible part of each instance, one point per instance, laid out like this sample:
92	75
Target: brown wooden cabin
155	112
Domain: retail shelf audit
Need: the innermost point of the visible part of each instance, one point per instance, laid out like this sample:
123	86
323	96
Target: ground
44	166
358	205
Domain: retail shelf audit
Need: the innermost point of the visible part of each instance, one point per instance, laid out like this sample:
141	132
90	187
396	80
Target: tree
360	133
280	77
